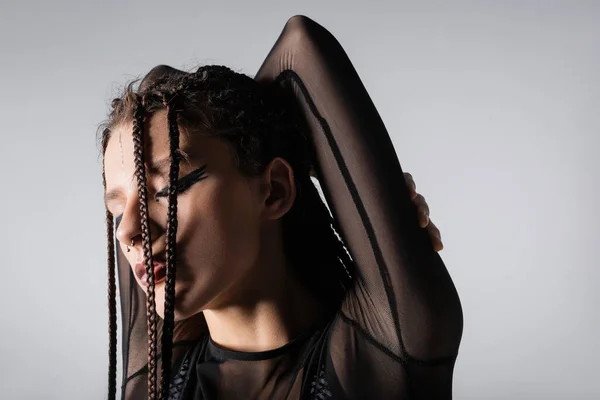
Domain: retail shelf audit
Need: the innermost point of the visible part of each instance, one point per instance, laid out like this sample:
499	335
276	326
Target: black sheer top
397	333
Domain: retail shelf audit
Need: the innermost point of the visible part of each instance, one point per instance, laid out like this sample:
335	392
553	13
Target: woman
250	286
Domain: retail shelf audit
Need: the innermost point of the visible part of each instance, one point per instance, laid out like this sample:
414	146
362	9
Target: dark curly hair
259	122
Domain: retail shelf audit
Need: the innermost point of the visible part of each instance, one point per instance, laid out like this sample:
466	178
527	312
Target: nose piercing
132	244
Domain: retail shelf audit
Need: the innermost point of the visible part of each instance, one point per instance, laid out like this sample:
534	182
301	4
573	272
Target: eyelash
183	185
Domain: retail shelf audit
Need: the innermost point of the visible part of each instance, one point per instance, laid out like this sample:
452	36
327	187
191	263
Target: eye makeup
184	183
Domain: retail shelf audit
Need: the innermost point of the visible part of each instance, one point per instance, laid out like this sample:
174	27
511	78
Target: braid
140	173
112	301
261	122
169	305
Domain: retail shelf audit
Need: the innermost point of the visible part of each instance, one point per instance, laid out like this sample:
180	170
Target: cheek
238	223
222	225
221	243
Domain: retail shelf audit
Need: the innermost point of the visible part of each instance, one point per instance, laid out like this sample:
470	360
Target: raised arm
403	299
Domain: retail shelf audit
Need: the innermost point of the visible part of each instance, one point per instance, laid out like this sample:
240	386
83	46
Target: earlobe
280	188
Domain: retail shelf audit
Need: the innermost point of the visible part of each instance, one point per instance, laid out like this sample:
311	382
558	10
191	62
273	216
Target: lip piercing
132	244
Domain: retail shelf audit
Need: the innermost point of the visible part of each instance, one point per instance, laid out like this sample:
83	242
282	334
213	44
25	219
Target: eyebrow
154	168
159	166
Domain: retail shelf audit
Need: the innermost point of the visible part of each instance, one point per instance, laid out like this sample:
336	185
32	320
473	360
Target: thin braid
169	306
140	173
112	297
112	310
236	108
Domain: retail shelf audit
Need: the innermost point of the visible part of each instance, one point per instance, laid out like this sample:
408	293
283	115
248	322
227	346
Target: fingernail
423	219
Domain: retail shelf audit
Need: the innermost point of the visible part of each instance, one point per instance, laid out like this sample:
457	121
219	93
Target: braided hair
259	122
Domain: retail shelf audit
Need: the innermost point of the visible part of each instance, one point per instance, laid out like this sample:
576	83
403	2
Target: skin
230	259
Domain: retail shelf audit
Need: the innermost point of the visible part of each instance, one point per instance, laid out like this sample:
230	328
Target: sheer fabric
397	334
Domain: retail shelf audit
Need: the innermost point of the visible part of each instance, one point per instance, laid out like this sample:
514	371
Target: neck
276	308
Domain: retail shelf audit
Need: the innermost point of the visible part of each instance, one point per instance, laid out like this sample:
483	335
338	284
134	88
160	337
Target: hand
423	210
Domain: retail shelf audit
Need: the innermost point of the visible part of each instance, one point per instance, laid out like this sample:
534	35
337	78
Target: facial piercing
132	244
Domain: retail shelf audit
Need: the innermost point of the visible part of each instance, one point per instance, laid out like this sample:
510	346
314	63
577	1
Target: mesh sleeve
402	313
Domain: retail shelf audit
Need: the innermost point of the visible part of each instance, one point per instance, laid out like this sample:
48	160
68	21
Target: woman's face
220	214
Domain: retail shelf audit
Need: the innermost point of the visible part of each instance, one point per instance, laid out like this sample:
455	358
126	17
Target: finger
433	231
421	203
422	209
412	186
438	245
436	237
423	219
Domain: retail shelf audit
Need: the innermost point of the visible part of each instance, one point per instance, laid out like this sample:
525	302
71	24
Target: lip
160	269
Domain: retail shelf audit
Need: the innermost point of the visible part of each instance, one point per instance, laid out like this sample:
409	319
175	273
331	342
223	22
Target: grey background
492	105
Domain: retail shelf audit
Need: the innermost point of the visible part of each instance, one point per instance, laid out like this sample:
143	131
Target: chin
182	310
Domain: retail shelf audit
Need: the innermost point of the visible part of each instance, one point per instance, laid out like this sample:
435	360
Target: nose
129	228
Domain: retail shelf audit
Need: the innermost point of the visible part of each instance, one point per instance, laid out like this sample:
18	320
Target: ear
278	188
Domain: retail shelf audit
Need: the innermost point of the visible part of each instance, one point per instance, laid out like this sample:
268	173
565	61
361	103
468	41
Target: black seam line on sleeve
405	358
291	75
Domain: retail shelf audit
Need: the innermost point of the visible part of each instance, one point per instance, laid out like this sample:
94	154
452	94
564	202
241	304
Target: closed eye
184	183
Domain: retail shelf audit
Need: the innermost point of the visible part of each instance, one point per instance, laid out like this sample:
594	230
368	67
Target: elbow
436	334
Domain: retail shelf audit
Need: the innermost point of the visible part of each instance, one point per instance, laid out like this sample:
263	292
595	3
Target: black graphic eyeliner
184	183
